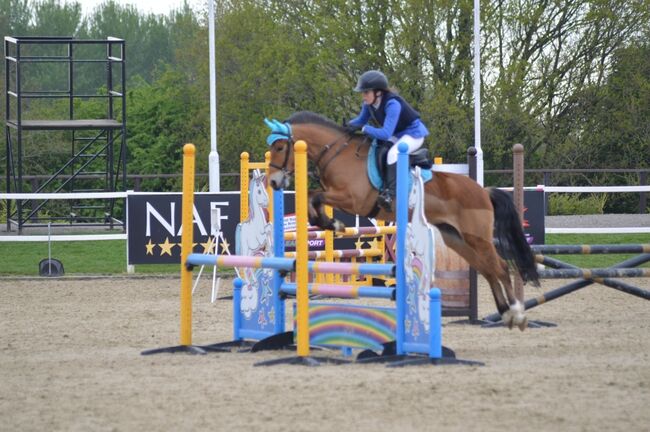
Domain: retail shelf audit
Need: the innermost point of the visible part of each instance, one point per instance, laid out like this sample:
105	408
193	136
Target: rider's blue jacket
396	117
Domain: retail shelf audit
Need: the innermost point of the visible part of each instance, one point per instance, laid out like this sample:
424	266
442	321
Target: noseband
283	168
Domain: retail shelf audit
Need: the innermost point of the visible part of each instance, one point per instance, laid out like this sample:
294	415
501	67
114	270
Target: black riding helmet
372	80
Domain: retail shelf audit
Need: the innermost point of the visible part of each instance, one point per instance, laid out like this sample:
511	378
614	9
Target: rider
397	122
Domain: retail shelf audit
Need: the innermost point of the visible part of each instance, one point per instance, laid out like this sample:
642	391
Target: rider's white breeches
413	143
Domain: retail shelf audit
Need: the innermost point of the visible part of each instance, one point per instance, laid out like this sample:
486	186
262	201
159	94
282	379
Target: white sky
147	6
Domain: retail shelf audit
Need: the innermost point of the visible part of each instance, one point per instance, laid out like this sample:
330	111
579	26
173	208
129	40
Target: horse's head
318	132
280	142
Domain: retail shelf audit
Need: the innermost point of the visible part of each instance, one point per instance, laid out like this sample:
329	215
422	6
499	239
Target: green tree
163	116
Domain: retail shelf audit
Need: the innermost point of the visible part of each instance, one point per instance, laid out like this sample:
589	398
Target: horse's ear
276	126
282	128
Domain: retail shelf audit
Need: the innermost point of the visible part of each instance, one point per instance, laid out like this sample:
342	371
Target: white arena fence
63	196
596	189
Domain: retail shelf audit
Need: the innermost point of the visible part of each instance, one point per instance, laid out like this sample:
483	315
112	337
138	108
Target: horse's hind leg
482	256
515	314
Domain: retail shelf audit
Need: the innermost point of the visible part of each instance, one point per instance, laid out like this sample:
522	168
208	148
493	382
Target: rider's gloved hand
350	129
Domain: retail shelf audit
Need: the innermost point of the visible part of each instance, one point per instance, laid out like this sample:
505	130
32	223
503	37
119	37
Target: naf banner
154	225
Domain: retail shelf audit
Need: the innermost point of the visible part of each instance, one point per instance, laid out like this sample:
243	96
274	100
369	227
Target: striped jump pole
343	291
584	282
286	264
574	273
591	249
349	232
339	253
352	268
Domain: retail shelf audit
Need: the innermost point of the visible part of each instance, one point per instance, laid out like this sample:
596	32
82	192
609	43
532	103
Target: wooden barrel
451	276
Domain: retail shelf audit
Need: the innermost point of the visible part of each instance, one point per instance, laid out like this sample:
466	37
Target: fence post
643	197
518	198
547	182
473	277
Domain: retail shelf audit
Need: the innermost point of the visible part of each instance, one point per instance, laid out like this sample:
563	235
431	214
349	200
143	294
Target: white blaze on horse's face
278	179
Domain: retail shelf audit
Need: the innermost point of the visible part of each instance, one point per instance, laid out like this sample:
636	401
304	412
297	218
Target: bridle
320	170
283	168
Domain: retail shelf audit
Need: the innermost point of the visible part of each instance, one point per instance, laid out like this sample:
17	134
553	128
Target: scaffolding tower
62	76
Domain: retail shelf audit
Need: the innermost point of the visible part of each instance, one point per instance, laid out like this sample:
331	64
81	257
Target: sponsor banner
154	224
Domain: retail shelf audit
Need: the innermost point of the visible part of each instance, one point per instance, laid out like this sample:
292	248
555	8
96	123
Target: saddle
420	157
377	162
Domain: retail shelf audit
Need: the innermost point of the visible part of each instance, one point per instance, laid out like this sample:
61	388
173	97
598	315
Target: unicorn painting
253	237
420	259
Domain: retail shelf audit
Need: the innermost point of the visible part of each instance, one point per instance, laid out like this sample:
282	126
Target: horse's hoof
515	316
522	325
338	226
507	319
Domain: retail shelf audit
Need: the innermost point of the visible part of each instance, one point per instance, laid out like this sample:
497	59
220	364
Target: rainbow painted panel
338	325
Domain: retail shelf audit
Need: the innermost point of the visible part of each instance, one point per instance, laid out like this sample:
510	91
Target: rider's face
369	96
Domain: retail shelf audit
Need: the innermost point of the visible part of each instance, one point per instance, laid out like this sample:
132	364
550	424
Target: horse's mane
302	117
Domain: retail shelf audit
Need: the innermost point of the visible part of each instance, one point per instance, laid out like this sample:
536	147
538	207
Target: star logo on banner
149	247
374	244
225	246
166	247
208	246
359	244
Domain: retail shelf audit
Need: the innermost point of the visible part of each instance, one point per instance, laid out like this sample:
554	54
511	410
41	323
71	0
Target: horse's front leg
317	215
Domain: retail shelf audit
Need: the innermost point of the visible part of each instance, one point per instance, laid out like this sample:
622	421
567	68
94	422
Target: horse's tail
510	239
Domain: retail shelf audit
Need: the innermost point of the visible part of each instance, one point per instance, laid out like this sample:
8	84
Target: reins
321	170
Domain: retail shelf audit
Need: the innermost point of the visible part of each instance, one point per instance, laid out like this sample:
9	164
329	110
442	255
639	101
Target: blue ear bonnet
278	131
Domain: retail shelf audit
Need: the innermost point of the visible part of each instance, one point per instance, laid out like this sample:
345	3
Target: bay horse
463	211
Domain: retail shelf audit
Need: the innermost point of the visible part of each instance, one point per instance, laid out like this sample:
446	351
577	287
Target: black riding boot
385	198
